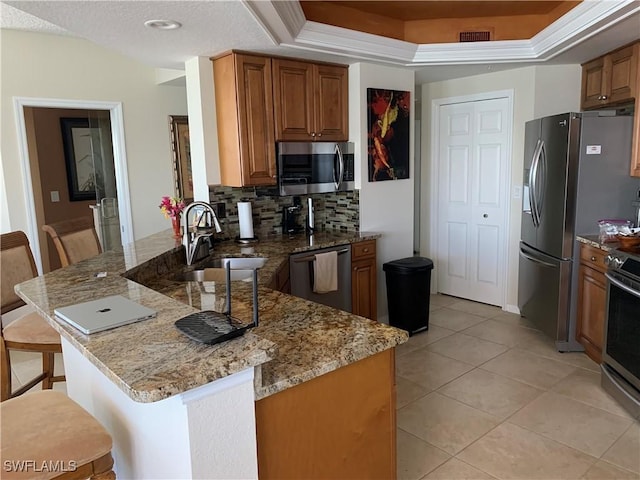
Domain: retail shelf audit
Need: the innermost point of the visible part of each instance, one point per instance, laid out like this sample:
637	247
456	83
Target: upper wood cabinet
610	79
311	101
635	149
244	112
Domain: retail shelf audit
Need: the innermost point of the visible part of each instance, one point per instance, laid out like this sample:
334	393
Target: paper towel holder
246	240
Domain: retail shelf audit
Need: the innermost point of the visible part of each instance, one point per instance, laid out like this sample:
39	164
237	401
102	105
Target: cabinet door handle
319	134
602	97
365	250
313	134
593	259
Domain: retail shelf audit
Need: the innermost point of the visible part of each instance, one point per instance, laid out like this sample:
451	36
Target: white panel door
472	196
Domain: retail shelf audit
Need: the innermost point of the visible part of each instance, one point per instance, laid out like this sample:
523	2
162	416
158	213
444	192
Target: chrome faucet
195	233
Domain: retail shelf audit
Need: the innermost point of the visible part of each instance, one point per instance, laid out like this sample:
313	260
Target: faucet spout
195	233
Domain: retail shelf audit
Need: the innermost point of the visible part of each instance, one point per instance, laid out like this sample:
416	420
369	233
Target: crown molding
285	23
580	24
281	21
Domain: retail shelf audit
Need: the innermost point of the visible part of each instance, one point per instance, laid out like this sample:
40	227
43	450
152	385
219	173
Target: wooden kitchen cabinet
364	284
339	425
310	101
592	299
611	79
244	112
635	149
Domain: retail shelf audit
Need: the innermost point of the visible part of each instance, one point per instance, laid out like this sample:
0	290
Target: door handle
542	165
622	286
338	181
535	260
533	174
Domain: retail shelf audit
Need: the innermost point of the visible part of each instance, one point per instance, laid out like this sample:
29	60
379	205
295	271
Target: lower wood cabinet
280	280
364	284
339	425
592	299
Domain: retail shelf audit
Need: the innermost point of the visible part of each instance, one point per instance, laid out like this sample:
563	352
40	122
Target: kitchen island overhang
152	362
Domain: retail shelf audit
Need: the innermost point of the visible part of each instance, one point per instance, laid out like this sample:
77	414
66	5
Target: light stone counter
151	360
594	241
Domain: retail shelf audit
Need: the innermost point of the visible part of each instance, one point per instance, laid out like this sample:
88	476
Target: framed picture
78	157
183	179
388	134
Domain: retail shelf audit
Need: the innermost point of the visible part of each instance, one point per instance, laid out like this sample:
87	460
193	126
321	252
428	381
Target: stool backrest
75	239
16	266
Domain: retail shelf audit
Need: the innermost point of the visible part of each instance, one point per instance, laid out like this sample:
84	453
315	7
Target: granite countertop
594	241
296	340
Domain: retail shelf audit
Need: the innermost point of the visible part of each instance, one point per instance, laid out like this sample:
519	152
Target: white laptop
103	314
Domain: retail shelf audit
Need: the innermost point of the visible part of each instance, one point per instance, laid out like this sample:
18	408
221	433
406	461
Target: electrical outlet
221	210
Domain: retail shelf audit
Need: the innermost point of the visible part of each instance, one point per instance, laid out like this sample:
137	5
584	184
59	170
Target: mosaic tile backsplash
333	211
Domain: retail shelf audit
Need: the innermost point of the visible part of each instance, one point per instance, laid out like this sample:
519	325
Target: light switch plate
517	191
55	196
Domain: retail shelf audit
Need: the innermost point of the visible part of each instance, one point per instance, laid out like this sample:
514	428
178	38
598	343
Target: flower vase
177	228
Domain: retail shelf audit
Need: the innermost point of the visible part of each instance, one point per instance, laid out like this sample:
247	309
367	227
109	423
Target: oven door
622	333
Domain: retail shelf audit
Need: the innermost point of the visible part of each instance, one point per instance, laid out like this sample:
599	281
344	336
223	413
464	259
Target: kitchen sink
214	270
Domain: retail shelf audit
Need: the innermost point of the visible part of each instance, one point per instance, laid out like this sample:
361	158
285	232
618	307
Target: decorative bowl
628	241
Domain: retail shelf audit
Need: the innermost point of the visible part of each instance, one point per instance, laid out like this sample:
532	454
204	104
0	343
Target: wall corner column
203	128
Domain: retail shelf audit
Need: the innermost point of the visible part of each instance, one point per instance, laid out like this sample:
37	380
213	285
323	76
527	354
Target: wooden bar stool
47	435
30	332
75	239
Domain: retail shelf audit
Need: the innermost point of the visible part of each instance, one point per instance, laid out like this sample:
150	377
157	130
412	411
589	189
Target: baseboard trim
511	309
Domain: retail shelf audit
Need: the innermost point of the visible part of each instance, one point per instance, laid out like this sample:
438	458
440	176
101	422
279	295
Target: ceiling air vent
475	36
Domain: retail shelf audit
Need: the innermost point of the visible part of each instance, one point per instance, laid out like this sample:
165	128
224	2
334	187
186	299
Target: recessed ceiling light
163	24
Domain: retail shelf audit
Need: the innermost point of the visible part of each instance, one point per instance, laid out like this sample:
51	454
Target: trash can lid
409	265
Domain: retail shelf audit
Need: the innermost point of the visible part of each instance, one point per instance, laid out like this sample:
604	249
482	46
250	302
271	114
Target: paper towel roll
246	221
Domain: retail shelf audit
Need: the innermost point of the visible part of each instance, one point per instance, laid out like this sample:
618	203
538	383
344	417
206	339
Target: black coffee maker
291	217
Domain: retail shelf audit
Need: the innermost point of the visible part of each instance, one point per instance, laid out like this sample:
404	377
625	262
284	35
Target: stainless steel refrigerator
576	172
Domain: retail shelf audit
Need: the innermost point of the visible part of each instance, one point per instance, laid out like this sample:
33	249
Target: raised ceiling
280	27
439	21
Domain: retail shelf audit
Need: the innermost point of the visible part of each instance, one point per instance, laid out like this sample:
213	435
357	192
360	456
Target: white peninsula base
208	432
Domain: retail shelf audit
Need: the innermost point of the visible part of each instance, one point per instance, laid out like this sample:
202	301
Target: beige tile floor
484	395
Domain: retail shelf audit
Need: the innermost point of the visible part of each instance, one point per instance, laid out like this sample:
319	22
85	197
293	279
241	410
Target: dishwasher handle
311	258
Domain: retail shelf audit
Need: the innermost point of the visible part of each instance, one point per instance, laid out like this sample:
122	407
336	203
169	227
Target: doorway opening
74	165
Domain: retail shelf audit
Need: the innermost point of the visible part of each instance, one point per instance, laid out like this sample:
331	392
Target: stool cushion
31	328
47	428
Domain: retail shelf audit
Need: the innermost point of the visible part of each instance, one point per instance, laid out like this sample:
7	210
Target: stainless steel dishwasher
301	272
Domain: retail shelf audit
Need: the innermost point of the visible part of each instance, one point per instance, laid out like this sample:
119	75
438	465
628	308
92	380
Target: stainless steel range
621	351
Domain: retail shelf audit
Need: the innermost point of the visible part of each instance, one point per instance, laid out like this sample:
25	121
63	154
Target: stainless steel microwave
317	167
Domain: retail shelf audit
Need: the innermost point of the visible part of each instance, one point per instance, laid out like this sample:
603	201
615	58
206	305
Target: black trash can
408	292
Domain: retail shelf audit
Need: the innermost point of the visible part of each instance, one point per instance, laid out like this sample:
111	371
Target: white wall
557	89
385	207
538	91
51	66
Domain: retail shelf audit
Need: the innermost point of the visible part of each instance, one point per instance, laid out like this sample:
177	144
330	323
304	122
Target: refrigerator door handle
533	175
535	260
542	165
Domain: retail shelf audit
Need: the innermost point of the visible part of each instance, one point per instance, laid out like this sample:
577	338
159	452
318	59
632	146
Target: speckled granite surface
150	360
595	242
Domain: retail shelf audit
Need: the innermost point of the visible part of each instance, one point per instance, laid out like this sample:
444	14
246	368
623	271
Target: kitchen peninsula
179	409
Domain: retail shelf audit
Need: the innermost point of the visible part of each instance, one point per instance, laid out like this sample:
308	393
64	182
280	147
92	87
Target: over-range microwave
317	167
